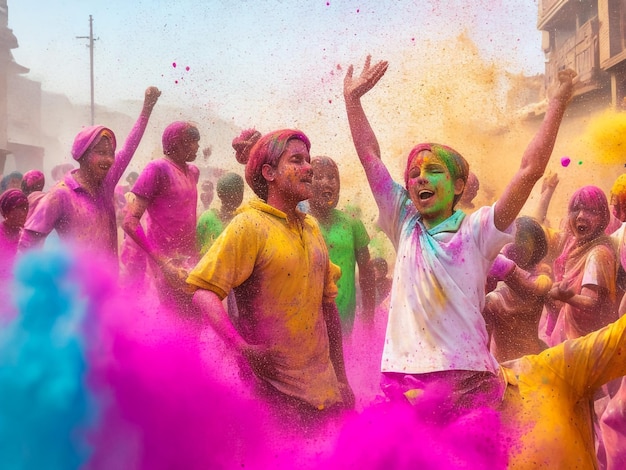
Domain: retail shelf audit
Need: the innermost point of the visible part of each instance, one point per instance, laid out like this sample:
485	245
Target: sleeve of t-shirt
589	362
148	184
400	208
48	212
332	276
230	261
361	238
600	269
488	238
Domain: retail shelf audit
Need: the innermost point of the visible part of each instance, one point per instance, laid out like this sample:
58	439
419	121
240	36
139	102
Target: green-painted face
431	188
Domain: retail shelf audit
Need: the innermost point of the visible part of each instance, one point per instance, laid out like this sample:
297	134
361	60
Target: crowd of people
494	308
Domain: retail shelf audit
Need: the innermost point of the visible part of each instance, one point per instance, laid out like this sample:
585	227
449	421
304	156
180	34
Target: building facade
20	106
590	37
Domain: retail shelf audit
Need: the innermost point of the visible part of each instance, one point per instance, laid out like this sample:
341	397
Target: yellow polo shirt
280	274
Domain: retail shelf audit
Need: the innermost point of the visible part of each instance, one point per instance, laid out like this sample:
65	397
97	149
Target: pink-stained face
189	148
585	224
16	217
98	161
293	176
325	186
431	188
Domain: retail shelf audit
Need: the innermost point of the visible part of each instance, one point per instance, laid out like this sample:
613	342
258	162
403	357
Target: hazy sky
247	60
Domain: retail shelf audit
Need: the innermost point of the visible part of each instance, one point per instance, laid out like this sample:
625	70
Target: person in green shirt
212	221
347	242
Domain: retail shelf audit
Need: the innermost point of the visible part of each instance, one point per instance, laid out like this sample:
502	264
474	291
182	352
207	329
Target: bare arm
335	341
261	359
524	283
366	282
589	300
536	156
363	136
30	240
210	305
135	208
547	191
125	154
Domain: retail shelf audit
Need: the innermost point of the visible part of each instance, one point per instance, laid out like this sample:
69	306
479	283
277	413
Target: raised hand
354	88
152	96
567	80
550	181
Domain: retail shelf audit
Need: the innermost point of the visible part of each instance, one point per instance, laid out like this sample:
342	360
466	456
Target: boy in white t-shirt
436	335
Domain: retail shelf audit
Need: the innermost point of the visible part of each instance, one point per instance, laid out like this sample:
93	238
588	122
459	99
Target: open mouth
425	194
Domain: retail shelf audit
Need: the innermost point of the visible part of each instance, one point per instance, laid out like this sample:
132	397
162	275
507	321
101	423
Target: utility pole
91	40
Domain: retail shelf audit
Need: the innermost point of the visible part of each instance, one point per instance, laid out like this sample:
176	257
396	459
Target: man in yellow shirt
275	260
548	402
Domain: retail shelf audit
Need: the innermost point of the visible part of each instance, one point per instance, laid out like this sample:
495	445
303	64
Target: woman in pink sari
585	272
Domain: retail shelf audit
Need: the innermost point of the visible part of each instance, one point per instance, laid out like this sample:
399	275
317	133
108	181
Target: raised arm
536	155
363	136
547	191
126	152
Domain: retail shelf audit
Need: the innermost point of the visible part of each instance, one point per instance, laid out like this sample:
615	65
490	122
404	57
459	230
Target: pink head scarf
174	134
87	138
33	180
268	150
10	199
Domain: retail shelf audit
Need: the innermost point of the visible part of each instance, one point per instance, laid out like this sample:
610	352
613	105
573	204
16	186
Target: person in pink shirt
167	191
13	208
80	207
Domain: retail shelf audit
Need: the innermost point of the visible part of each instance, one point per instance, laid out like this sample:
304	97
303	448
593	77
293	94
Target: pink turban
268	150
33	180
88	138
174	134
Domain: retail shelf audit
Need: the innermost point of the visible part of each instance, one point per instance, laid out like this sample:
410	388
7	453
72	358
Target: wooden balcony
579	52
551	10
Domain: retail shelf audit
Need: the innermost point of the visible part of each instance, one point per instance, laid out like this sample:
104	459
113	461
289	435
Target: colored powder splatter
169	395
606	136
46	407
565	161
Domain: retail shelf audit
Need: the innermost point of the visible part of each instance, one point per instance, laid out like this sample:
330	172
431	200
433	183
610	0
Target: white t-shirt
438	293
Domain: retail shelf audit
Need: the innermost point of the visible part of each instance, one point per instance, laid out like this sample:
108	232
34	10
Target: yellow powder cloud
606	137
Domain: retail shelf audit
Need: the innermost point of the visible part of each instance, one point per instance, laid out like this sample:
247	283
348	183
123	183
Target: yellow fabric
281	274
547	408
